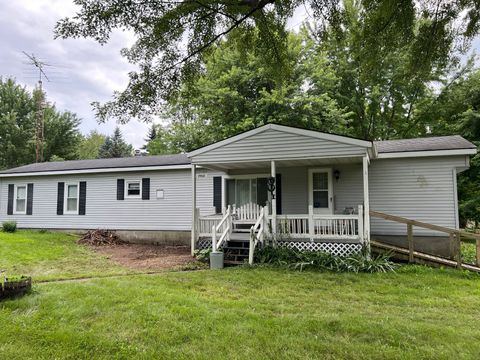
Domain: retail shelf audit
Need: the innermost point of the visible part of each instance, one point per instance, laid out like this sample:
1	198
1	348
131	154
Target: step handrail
226	233
256	235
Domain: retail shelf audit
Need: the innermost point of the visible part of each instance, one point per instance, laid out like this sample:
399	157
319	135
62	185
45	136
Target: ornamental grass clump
319	260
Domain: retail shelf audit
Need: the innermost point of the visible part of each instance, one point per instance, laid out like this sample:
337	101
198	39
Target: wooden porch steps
419	257
236	249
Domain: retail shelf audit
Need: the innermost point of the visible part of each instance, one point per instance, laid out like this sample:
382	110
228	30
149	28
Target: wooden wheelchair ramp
414	256
418	257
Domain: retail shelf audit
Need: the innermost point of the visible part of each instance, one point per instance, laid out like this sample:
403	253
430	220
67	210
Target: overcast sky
82	72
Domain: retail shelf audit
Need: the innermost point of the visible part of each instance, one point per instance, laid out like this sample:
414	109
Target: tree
62	137
173	36
151	135
383	83
17	128
90	145
457	111
237	93
115	146
16	125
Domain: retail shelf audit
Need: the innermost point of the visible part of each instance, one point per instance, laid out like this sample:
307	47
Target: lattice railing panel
340	249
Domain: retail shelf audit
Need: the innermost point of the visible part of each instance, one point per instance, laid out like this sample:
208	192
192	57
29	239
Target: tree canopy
115	146
172	37
90	145
17	128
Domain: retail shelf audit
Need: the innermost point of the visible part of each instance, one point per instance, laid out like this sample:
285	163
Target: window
133	189
320	190
243	191
71	199
21	199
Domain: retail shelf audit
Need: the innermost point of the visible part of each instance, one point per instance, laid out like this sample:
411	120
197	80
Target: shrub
202	255
9	226
319	260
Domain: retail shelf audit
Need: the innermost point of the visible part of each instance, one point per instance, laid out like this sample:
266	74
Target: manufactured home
303	189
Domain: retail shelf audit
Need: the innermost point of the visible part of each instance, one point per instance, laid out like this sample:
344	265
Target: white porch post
366	201
274	200
194	206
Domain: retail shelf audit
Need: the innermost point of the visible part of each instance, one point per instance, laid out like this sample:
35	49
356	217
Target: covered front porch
304	197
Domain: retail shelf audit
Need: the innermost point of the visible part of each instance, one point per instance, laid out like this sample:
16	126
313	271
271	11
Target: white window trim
329	171
15	199
139	196
65	198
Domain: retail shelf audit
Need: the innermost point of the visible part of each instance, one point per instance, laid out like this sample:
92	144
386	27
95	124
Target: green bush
9	226
202	255
319	260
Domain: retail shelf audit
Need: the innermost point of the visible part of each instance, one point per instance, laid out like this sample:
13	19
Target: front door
320	192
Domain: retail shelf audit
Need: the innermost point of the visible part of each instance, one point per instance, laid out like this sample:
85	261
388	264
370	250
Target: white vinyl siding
417	188
278	145
173	212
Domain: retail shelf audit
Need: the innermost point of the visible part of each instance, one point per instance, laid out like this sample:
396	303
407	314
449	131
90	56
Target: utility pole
39	98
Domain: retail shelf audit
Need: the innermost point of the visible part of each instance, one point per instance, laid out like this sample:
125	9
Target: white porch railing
257	233
322	227
225	227
247	212
301	226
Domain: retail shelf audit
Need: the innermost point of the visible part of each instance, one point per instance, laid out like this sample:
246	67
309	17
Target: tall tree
172	36
381	78
17	112
237	93
17	128
456	110
90	145
151	135
62	137
115	146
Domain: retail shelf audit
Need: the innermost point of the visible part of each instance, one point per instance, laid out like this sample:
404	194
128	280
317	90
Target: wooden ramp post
410	242
478	253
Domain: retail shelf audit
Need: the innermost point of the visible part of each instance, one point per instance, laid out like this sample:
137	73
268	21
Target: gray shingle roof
137	161
454	142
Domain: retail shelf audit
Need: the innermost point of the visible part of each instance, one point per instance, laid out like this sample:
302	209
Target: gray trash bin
216	260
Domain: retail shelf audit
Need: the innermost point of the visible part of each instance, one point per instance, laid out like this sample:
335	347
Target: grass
469	252
237	313
416	313
47	256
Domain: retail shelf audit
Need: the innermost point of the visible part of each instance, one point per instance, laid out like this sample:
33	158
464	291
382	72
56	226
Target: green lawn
242	313
47	256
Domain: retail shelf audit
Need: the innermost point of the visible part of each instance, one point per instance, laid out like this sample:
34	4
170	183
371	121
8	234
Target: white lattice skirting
340	249
204	244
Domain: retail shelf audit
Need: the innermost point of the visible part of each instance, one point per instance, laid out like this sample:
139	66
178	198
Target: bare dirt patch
147	257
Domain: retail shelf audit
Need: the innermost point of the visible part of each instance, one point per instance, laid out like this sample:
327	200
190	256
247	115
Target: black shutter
29	199
120	189
262	191
10	199
82	202
217	194
278	186
146	189
60	195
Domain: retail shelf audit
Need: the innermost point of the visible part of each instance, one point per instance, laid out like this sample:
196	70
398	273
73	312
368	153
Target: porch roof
287	145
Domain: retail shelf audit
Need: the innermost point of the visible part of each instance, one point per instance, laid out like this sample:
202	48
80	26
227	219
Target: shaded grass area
469	252
51	255
242	313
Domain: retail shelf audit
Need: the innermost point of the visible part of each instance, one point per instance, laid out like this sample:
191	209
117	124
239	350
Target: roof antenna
39	97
